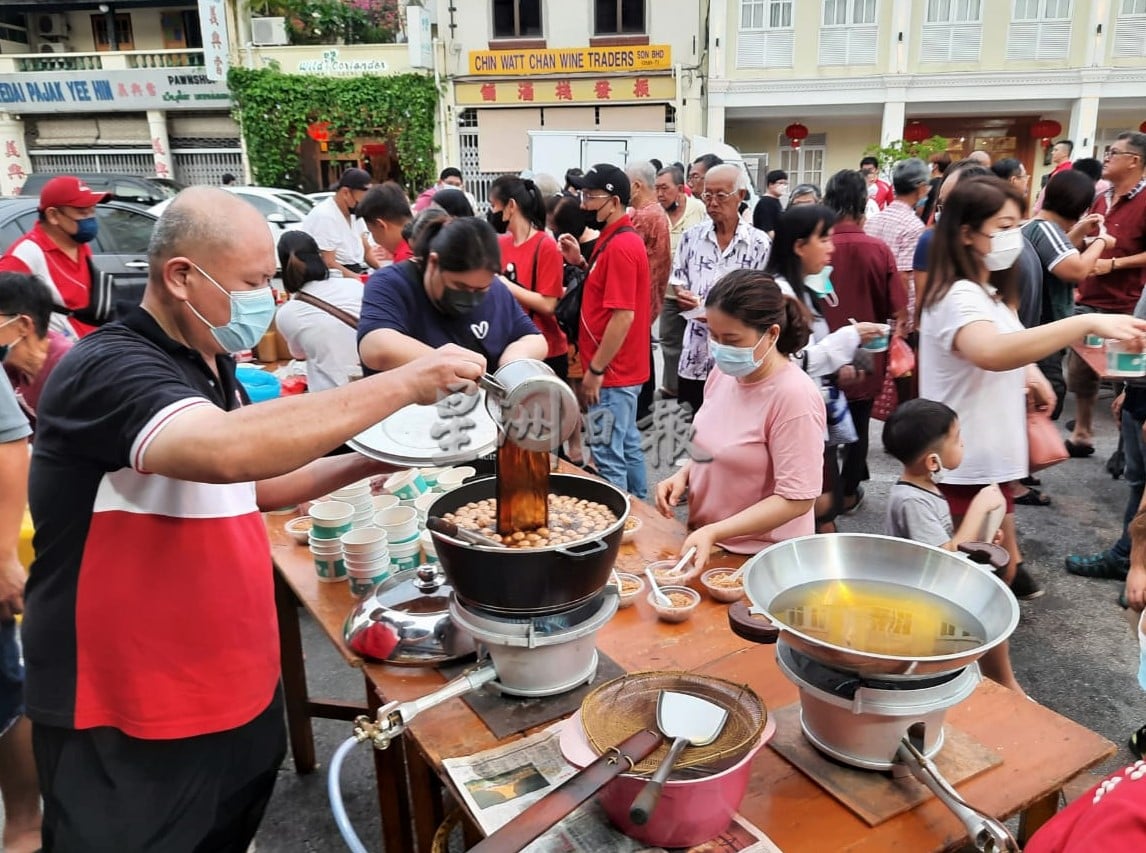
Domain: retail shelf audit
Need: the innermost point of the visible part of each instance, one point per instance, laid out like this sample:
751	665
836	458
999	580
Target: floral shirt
699	264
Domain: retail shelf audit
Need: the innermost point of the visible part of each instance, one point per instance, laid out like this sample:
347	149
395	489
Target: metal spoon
658	596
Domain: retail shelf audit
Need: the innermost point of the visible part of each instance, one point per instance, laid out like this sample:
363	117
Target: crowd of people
774	324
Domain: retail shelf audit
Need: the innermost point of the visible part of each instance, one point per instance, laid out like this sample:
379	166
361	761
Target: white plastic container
331	519
407	485
406	555
400	524
1124	359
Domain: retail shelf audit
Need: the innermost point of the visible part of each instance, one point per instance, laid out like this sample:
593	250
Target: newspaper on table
499	784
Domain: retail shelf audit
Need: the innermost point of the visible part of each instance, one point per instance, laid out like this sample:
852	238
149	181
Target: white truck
554	151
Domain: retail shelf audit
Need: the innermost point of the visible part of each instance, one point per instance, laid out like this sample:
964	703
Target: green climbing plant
900	149
274	109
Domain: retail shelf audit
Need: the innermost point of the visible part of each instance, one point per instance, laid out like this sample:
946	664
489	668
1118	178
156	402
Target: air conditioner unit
55	47
268	31
51	26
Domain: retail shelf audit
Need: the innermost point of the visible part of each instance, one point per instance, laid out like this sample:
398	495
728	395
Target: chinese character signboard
583	90
624	59
420	42
113	91
216	47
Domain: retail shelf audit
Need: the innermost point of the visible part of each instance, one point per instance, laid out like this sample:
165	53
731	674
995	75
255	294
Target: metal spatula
690	721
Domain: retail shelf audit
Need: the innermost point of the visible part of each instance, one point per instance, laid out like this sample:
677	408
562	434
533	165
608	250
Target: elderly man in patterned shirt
707	252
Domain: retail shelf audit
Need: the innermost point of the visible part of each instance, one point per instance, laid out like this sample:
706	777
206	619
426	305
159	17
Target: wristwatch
595	371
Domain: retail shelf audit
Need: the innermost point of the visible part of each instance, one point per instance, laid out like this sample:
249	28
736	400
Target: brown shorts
959	497
1080	378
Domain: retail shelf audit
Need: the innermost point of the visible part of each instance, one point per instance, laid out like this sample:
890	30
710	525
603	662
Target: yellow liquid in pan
878	618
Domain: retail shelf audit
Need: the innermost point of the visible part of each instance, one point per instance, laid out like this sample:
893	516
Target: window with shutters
1130	29
1040	29
766	36
952	31
804	165
849	34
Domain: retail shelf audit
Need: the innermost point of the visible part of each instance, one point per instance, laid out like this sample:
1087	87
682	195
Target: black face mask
461	303
599	223
496	218
591	219
352	210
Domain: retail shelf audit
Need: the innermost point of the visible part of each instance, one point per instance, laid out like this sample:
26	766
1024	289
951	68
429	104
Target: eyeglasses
1112	153
586	197
721	197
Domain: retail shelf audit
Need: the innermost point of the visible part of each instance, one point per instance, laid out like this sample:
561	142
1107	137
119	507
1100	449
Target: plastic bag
900	358
841	427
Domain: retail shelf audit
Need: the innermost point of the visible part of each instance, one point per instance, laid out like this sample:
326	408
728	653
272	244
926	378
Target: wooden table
1041	750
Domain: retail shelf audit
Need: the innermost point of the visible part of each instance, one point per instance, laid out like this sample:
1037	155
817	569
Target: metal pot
531	405
857	556
531	581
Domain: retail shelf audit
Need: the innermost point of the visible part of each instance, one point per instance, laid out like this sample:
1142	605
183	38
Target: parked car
119	249
132	189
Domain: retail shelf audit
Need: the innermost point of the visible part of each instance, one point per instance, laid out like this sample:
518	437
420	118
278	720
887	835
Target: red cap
69	191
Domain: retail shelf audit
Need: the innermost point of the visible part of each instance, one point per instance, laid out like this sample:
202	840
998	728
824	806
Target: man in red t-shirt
878	190
614	337
56	248
1116	283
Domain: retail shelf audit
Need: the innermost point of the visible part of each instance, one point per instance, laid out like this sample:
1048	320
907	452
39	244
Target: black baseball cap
355	179
603	176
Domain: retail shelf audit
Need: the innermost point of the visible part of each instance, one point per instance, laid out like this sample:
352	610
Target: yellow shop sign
572	60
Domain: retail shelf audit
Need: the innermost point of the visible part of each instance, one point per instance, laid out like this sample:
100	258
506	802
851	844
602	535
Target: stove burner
552	623
841	683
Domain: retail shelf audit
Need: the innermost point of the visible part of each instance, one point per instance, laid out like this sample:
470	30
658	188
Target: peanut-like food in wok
571	519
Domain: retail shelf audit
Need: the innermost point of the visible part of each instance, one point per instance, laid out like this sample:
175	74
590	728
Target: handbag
1045	446
900	358
568	310
333	310
887	400
841	427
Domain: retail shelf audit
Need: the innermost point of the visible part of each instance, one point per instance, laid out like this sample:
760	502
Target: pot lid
406	621
457	429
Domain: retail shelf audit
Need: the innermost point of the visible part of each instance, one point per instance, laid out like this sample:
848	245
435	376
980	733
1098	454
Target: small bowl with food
663	571
682	602
630	587
632	525
299	529
722	585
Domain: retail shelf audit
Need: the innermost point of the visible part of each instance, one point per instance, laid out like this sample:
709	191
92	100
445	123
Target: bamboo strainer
622	707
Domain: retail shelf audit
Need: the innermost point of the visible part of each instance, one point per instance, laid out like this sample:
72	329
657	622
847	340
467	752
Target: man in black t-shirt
769	208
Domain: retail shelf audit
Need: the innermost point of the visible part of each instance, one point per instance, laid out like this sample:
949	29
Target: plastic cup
330	569
423	503
406	555
1124	358
407	485
426	538
881	343
400	523
366	540
451	478
1093	341
363	586
362	487
331	519
430	475
380	503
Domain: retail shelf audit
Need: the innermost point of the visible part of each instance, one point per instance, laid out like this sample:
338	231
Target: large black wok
531	581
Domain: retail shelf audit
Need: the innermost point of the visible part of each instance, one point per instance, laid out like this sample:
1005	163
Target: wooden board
873	795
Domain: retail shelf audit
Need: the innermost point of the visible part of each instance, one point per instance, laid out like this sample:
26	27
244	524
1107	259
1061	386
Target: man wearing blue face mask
57	249
150	639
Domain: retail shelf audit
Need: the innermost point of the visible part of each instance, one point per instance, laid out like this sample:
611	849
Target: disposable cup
400	523
1125	359
1093	341
364	541
426	538
423	503
361	586
331	519
369	568
405	555
330	569
406	484
334	548
380	503
362	487
430	475
451	478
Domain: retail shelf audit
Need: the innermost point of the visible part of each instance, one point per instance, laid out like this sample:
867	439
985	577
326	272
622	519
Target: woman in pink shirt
756	467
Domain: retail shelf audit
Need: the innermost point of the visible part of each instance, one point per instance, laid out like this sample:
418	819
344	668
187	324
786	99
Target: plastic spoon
658	596
688	555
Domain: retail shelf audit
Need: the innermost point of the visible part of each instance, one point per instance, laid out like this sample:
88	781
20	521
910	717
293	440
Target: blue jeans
1133	416
616	441
11	677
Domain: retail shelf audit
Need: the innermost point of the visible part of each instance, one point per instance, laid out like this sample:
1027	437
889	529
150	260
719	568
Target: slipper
1033	497
1031	481
1079	451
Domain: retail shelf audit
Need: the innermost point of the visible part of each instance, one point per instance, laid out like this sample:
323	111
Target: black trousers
853	469
690	391
107	792
645	398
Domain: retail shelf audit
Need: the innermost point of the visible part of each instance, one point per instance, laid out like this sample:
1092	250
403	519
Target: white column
160	144
16	163
714	120
894	116
1083	125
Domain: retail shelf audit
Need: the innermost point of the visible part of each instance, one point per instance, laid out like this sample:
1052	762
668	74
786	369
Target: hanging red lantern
1142	127
917	131
1046	130
319	131
796	134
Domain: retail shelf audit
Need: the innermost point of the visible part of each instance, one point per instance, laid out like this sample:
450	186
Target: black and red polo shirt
150	604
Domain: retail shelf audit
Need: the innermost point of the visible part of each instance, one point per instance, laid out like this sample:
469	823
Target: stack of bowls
430	475
366	553
358	496
406	485
330	520
422	507
429	555
384	502
451	478
401	527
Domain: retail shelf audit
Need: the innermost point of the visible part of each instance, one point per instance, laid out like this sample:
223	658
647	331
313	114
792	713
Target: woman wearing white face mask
975	355
755	469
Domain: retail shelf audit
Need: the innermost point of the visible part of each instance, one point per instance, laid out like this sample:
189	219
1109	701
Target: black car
119	250
143	192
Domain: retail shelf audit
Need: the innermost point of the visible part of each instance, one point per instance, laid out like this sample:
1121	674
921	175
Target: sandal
1078	450
1031	481
1033	497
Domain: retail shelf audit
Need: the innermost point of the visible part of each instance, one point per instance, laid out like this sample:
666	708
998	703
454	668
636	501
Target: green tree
900	149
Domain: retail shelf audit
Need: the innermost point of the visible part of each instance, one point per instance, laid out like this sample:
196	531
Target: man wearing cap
57	249
341	236
615	327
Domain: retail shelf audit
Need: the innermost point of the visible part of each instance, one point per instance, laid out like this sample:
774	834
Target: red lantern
1046	129
1142	127
796	133
917	131
319	131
